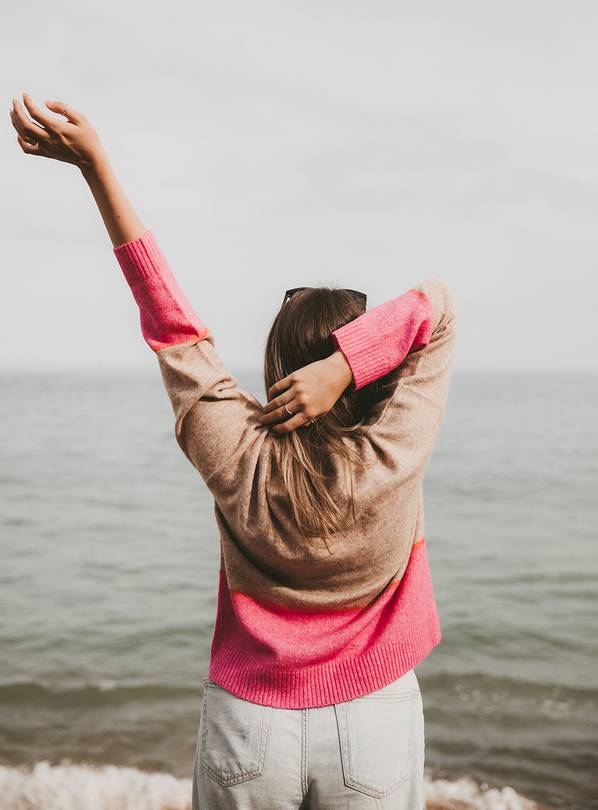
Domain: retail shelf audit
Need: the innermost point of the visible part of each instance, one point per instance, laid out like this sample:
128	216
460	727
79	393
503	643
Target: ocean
109	559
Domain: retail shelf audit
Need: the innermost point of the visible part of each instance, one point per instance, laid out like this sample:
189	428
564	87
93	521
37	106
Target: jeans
362	753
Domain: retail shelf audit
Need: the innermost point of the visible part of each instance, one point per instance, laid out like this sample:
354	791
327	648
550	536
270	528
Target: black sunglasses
361	297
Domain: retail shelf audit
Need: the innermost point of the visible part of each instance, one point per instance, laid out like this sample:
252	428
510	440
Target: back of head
299	335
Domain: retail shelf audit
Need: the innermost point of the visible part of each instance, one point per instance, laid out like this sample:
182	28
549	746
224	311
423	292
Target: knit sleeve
380	339
407	343
214	419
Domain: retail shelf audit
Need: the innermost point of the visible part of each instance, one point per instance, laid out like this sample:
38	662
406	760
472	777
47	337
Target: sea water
109	560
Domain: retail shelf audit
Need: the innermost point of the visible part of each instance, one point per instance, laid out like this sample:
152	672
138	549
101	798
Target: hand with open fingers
307	393
73	140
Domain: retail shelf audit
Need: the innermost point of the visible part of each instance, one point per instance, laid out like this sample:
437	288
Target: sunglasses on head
360	296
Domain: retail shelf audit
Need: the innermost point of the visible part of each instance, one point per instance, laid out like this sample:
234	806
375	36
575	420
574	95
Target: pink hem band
333	682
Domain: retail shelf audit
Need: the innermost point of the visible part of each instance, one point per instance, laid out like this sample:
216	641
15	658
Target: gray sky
277	144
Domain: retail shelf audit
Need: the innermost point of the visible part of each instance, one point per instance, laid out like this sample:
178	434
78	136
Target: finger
61	107
28	139
16	123
295	422
30	148
278	414
283	399
279	386
38	114
25	126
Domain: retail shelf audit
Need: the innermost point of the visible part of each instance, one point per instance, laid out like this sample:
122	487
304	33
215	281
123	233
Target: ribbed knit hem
141	258
367	361
323	685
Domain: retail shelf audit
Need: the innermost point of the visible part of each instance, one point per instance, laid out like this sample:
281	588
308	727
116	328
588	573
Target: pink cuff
167	317
380	339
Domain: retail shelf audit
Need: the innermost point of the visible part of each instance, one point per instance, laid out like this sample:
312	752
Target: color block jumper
299	625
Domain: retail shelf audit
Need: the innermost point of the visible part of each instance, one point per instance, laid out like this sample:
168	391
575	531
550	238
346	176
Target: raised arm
406	422
215	420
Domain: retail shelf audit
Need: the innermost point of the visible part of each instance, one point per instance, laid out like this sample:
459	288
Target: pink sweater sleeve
167	317
379	340
215	419
409	341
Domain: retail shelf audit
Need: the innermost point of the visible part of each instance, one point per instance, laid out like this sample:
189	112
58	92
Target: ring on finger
290	413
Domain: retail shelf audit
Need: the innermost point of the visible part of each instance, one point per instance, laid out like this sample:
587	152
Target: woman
325	603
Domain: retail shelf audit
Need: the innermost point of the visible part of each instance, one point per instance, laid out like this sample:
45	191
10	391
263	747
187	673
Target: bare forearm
341	369
120	218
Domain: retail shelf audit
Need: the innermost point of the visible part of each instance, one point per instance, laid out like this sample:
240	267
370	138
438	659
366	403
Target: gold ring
287	410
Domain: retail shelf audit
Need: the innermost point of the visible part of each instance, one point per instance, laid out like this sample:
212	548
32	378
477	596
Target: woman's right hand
72	141
308	392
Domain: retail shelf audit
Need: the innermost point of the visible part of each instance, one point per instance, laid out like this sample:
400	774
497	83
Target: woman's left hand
72	141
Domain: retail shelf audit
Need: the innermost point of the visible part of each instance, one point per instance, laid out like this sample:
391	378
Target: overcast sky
278	144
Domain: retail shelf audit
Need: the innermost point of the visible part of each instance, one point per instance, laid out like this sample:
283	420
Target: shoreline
79	786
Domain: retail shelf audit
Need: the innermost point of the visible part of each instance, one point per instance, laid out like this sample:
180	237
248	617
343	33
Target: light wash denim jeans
362	753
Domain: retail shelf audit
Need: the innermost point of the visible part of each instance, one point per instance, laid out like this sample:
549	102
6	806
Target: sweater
298	624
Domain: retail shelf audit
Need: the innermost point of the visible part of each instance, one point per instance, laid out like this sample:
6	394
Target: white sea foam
108	787
83	787
106	685
465	794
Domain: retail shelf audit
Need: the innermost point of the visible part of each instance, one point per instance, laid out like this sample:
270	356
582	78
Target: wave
71	786
539	690
504	694
26	691
101	693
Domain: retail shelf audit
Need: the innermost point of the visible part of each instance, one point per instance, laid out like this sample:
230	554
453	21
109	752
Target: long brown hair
301	334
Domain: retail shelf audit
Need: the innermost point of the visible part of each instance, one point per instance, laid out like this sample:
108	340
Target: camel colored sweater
298	625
